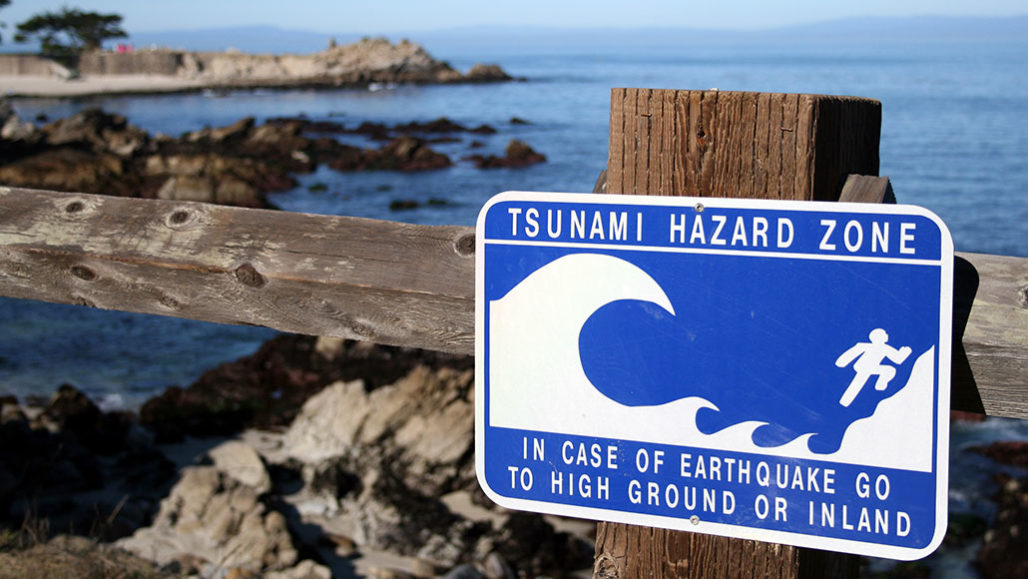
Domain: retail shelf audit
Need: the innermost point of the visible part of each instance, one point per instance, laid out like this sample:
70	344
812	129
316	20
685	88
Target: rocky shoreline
331	458
364	63
102	153
319	457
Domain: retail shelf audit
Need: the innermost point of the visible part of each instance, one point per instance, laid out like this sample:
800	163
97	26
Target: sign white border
737	531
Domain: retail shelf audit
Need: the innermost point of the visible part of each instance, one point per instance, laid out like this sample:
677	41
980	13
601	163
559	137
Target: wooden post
730	144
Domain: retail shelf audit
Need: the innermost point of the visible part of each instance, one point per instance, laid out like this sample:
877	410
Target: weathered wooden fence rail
391	283
380	281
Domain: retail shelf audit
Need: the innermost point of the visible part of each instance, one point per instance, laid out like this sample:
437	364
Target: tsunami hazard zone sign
767	370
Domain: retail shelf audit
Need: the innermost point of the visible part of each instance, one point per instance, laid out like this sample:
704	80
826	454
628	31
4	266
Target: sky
390	16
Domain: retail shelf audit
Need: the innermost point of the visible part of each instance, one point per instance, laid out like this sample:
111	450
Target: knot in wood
82	272
1022	296
465	245
248	275
74	207
178	218
169	302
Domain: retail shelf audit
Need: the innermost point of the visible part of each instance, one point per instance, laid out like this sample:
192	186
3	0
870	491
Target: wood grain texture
995	337
867	189
738	144
730	144
380	281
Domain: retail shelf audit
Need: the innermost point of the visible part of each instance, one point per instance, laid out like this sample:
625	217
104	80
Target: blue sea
954	140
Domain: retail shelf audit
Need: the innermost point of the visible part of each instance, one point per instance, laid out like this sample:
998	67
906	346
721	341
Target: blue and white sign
768	370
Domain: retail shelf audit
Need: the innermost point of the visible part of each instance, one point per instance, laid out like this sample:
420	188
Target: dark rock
403	153
440	125
487	73
1006	542
517	154
407	154
963	528
519	121
376	131
78	468
234	132
483	130
69	169
961	416
403	204
347	158
322	127
444	140
1013	452
408	204
98	131
72	411
531	545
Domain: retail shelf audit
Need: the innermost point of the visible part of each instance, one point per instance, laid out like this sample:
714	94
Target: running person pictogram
869	357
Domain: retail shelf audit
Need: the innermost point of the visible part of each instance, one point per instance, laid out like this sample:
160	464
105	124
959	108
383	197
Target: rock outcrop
217	514
98	152
375	455
517	154
77	468
370	60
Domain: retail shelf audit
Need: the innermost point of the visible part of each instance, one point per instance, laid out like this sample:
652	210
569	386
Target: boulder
517	154
236	131
13	128
69	169
440	125
211	515
242	463
1012	452
487	73
78	468
423	424
235	191
406	153
96	130
187	188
